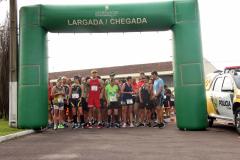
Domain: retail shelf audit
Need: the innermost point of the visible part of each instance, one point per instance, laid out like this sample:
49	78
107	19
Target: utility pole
13	64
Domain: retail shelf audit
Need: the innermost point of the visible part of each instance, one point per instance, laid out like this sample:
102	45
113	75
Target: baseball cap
94	71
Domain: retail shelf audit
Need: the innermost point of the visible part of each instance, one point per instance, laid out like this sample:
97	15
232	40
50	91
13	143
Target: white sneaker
124	125
55	126
131	125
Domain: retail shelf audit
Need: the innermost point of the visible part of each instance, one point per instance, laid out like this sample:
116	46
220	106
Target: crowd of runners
88	102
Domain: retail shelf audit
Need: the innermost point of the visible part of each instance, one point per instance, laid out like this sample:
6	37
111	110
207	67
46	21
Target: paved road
218	143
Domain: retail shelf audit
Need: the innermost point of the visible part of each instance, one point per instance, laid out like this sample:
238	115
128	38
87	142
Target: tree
4	67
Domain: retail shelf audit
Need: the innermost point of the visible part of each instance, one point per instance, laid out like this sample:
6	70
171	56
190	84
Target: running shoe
103	124
161	125
124	125
131	125
156	125
60	126
82	125
89	125
78	125
65	125
109	125
99	125
116	125
140	125
149	124
74	125
55	127
50	125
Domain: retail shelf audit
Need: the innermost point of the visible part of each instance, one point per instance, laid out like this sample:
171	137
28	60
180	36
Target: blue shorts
159	101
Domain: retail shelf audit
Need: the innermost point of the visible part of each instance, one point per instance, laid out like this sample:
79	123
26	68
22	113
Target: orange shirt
135	87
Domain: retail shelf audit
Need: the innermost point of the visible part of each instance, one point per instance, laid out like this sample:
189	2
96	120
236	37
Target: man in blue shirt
158	93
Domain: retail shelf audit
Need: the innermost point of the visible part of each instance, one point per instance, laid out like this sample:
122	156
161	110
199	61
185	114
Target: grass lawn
5	129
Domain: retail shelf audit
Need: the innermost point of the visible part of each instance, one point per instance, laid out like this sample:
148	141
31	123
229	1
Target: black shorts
167	103
147	105
151	104
113	105
76	103
134	99
66	104
85	105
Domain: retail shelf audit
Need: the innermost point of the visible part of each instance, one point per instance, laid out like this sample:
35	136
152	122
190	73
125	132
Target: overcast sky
220	38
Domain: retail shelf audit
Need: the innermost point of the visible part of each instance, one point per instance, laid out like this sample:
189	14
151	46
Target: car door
225	103
216	93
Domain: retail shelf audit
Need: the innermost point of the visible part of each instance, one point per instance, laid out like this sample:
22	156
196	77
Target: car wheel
237	120
210	121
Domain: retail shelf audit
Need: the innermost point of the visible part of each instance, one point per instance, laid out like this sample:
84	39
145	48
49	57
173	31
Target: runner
85	91
119	83
50	105
112	75
158	92
151	113
76	97
112	94
167	102
103	102
66	100
127	102
58	94
94	98
137	100
69	116
144	97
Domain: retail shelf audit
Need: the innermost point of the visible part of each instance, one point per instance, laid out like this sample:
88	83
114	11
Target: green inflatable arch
180	16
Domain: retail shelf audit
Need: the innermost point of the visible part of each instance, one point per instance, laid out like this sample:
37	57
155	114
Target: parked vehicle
223	96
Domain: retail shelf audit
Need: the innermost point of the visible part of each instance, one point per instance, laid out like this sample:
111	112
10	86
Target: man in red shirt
95	85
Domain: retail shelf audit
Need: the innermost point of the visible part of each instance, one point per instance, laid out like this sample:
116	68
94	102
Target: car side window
218	84
227	84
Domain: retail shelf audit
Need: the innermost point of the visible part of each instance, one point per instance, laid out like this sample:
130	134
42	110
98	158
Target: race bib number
94	88
113	98
172	99
60	100
75	95
129	101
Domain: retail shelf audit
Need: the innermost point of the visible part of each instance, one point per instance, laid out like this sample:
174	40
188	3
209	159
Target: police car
223	96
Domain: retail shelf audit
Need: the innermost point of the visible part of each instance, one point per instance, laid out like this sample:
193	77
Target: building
164	69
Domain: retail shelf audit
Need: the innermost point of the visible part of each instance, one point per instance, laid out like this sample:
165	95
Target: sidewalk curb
15	135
